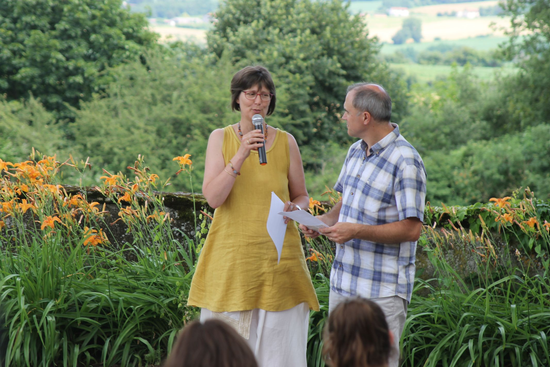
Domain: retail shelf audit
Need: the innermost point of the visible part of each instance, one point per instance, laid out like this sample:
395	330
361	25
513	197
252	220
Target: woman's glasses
250	94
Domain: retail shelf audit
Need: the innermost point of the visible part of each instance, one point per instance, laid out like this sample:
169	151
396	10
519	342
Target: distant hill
168	9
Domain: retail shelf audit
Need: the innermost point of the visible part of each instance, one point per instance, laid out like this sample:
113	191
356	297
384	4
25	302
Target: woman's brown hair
248	77
357	335
210	344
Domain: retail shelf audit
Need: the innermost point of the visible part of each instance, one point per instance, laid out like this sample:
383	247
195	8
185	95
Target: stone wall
182	207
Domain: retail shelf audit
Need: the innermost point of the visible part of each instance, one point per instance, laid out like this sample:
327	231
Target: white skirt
278	339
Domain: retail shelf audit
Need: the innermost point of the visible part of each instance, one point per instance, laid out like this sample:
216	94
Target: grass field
429	73
364	6
433	27
447	8
478	43
169	33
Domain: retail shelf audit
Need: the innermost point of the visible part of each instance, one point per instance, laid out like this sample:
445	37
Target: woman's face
250	107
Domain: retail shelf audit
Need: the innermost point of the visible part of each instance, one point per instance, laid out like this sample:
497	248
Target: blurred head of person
357	335
212	343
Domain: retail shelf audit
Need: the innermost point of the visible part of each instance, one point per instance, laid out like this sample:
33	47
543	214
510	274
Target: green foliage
59	51
493	318
24	126
460	127
411	28
75	295
531	18
315	49
480	170
163	109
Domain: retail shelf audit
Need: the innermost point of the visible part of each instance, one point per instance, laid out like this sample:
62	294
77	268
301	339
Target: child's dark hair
212	343
357	335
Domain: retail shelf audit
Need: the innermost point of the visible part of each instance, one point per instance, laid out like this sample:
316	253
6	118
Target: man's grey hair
372	98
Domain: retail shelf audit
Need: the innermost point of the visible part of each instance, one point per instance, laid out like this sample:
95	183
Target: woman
238	277
210	344
357	335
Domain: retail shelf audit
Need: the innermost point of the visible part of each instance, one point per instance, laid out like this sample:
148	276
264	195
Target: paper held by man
303	217
276	226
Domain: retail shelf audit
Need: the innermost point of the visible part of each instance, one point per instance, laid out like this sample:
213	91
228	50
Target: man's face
354	119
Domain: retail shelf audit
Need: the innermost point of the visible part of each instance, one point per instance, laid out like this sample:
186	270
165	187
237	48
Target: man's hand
340	232
308	232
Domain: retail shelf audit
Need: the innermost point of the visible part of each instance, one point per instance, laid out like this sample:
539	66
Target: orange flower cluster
28	188
93	237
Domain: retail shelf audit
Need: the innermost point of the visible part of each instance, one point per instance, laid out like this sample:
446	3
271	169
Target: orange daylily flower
153	177
315	255
74	201
110	180
128	211
7	206
93	237
504	218
126	197
156	216
546	225
29	171
4	165
50	222
501	203
2	224
49	162
313	203
531	222
24	206
184	161
92	207
54	189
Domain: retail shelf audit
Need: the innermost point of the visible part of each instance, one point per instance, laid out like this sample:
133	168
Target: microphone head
257	120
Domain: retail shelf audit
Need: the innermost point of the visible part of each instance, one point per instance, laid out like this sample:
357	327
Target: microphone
258	122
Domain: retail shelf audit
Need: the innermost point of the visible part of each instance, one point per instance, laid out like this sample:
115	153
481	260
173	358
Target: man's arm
391	233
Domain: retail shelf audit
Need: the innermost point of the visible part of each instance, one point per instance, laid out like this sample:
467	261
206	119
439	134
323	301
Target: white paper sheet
276	226
303	217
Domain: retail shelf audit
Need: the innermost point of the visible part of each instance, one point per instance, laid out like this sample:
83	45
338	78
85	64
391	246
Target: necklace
241	133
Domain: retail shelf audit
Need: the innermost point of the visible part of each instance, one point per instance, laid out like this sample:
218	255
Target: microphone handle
261	150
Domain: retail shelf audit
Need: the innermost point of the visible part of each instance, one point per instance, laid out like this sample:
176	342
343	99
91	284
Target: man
379	219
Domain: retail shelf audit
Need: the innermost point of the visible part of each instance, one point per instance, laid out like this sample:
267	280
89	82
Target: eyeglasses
250	94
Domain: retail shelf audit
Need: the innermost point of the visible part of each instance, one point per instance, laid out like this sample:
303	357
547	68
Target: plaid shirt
387	186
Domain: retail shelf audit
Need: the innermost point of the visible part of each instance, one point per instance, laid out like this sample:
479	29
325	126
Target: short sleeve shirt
387	186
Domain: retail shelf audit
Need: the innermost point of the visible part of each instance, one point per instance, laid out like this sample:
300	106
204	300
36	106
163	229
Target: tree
315	49
59	50
530	36
411	28
163	109
25	126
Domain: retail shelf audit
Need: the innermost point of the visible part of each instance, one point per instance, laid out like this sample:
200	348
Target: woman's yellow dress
237	268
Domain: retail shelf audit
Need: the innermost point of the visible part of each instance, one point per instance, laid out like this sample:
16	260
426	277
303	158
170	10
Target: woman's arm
218	176
296	180
216	184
